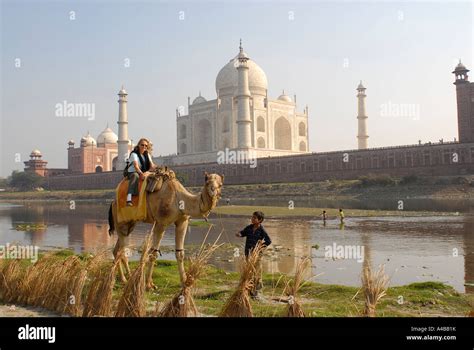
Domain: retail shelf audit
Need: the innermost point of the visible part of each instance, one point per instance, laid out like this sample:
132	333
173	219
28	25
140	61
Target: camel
171	204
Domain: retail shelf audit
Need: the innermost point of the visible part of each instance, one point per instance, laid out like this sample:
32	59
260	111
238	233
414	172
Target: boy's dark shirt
254	237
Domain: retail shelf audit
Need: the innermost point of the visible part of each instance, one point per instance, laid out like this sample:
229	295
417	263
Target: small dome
70	142
199	99
35	153
107	136
460	66
360	86
88	140
284	97
122	91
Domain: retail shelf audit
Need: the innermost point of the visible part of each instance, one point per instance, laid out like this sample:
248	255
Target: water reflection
413	249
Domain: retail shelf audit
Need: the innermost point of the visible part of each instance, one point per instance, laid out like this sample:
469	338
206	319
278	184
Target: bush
460	181
409	179
376	180
3	182
26	181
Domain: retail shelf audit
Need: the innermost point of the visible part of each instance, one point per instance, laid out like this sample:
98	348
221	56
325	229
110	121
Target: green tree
25	181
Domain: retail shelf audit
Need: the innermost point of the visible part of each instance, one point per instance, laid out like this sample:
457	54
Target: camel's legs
181	229
121	247
158	233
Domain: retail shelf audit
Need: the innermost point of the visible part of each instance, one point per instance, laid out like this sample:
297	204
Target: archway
182	148
302	129
282	134
204	136
260	124
302	146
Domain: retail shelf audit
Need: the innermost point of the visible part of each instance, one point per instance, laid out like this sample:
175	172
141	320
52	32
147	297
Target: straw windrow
132	302
238	305
293	286
182	304
374	287
99	298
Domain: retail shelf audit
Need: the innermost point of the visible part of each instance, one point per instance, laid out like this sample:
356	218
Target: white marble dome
199	99
284	97
35	153
107	136
88	140
228	76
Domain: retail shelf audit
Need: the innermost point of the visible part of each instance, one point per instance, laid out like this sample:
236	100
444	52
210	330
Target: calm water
413	249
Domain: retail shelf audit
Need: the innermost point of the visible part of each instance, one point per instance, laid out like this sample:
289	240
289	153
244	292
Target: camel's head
214	184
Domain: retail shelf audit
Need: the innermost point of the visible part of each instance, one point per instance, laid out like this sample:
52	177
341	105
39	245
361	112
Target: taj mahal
242	117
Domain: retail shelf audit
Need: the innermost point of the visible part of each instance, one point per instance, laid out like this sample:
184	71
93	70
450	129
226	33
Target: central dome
228	77
107	136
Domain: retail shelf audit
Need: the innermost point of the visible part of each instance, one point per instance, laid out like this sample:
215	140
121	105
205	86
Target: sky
163	52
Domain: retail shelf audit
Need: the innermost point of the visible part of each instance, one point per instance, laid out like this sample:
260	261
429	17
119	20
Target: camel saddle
155	181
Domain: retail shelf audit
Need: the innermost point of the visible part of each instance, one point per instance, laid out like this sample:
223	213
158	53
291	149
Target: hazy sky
403	51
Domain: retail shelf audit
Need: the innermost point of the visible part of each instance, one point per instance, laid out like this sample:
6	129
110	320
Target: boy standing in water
255	232
341	215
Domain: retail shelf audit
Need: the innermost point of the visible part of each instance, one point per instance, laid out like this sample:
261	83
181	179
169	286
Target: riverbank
318	300
381	187
315	213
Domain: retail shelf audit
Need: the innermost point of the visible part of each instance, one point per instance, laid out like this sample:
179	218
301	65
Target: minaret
362	137
122	130
243	102
464	96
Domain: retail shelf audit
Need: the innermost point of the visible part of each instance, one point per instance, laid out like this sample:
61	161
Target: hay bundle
374	287
77	280
293	286
35	286
238	305
99	297
182	304
132	302
11	274
58	290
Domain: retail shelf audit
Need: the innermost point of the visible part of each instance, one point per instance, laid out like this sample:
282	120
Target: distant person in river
324	215
341	216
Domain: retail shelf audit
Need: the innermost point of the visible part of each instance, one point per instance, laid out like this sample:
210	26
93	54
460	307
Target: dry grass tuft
11	275
132	302
238	305
374	287
99	298
293	286
182	304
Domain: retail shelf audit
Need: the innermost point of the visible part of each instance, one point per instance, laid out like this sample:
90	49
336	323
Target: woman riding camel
140	162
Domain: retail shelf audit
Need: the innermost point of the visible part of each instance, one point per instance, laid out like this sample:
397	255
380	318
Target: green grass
31	227
419	299
319	300
199	223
